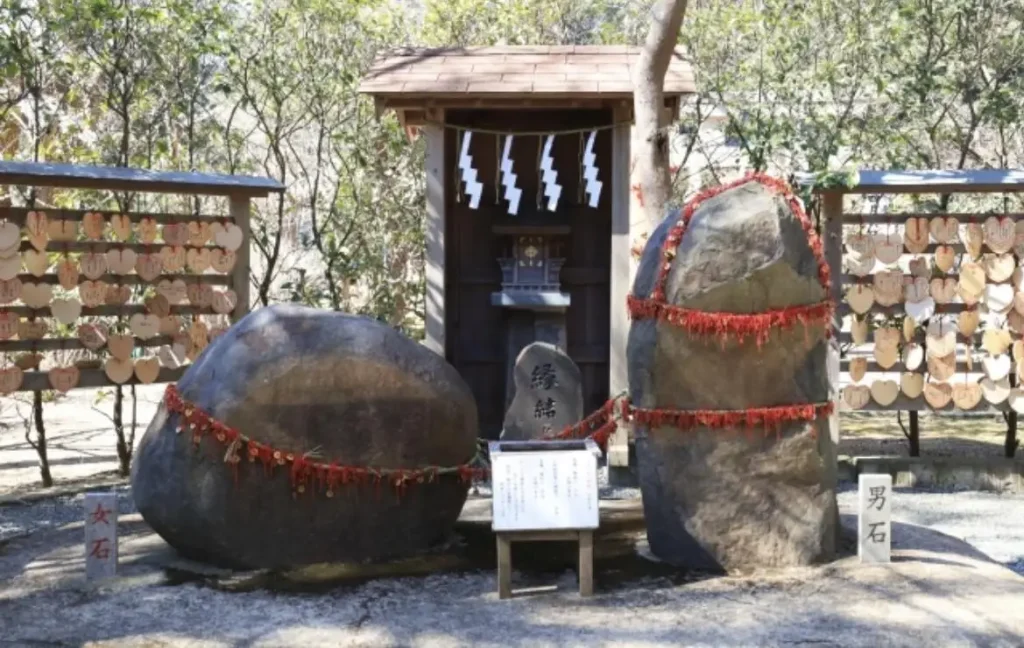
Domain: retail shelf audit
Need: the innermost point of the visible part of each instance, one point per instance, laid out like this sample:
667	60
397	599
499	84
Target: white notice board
544	485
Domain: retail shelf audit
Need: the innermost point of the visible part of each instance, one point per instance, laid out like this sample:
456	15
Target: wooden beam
902	217
919	404
500	103
130	280
17	215
59	247
413	117
898	309
828	444
64	344
136	180
930	181
109	311
91	378
239	208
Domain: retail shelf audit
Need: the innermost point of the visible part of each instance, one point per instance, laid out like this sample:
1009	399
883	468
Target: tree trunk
124	454
914	438
40	444
652	161
1010	446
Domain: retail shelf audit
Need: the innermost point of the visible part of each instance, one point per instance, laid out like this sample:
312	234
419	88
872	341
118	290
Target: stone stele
734	499
548	393
344	388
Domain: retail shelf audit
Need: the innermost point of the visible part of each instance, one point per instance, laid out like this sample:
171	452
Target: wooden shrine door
475	330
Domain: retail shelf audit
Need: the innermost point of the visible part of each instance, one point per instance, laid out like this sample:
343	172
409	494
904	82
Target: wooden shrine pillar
434	166
618	380
832	239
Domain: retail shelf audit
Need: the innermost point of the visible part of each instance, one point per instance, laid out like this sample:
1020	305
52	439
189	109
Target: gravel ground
21	520
937	592
992	523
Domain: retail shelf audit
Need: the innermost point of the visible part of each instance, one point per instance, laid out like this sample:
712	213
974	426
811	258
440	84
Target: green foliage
821	84
461	23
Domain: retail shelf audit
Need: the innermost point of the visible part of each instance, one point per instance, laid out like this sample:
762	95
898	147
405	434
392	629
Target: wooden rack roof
45	174
541	76
871	181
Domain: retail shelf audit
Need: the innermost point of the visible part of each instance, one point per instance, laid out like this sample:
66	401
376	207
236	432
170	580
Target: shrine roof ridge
605	71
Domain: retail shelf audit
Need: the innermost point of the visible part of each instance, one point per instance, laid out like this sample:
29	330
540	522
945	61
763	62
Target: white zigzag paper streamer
508	178
594	185
474	189
552	190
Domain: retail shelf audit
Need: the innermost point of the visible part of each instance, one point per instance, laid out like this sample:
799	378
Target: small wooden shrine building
527	236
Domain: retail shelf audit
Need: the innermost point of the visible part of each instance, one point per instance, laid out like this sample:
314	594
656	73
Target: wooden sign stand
585	538
544	492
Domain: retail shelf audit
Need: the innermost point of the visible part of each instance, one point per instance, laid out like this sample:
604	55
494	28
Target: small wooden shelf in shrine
511	227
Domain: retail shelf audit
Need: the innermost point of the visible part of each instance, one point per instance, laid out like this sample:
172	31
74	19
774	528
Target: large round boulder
734	498
328	387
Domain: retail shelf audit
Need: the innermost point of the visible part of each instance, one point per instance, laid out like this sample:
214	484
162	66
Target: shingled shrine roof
544	72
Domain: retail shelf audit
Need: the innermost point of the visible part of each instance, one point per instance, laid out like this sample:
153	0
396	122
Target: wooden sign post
544	491
874	541
100	536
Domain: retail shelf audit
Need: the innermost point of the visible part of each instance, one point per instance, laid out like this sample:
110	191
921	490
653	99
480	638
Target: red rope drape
306	473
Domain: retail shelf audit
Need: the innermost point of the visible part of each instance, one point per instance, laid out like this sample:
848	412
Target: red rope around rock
770	418
735	325
307	474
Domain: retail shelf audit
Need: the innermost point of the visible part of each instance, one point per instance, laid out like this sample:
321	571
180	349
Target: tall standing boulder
324	387
734	498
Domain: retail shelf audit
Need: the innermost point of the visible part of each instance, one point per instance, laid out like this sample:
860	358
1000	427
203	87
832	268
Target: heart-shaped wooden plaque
94	265
121	346
121	226
119	371
995	391
1000	234
147	370
856	396
858	367
937	395
223	261
10	380
944	229
63	379
942	368
966	396
912	384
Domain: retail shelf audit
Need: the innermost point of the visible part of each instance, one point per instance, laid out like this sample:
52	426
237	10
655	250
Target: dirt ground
938	591
871	435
